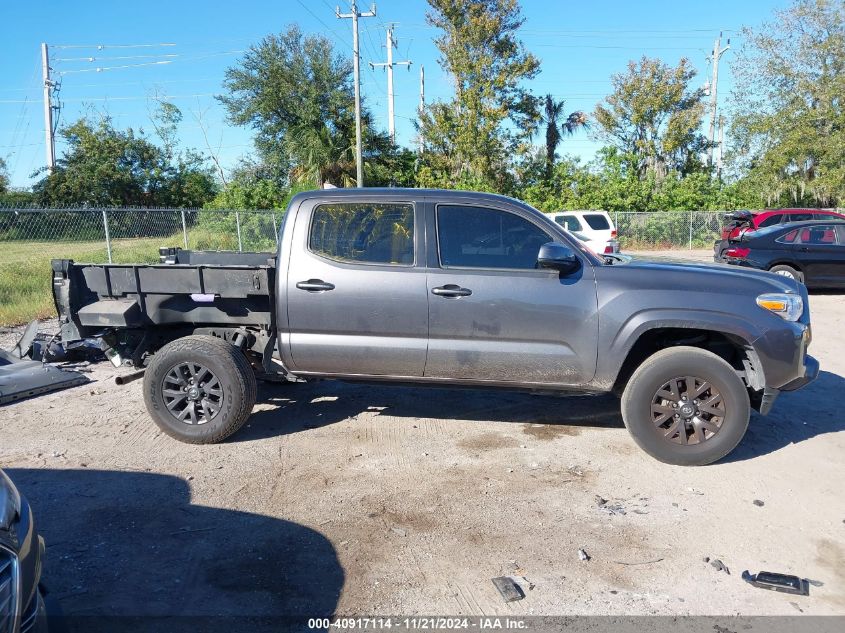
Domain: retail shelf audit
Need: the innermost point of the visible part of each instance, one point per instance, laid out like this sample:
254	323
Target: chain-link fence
128	234
667	229
135	234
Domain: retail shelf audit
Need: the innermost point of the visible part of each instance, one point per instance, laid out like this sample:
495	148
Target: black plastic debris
759	503
784	583
510	591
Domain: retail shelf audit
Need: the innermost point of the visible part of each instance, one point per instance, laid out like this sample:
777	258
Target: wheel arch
734	347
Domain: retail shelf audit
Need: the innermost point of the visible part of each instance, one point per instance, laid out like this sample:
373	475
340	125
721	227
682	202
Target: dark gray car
21	555
446	288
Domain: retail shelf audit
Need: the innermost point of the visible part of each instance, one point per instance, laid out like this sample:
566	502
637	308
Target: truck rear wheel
686	406
199	389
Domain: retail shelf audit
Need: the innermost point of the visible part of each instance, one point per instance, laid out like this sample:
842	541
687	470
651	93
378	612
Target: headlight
10	502
789	307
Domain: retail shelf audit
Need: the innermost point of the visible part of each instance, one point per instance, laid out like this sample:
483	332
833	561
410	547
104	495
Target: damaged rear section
132	310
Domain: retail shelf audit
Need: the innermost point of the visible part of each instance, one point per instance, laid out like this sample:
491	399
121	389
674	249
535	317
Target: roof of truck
388	192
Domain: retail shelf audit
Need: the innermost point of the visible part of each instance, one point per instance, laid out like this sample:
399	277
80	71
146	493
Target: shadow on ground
797	416
127	551
302	406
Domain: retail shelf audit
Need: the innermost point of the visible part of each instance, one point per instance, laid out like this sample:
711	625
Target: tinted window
597	221
363	232
799	217
771	220
569	222
817	235
789	237
475	237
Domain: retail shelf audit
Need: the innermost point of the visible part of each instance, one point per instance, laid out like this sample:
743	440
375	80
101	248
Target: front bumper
770	394
811	372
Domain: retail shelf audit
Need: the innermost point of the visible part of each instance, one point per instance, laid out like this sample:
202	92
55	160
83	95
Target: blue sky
579	44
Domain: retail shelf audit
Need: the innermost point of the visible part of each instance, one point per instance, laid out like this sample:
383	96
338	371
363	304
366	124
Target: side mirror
558	257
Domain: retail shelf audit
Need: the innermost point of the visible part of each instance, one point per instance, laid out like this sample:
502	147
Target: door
356	296
493	316
820	250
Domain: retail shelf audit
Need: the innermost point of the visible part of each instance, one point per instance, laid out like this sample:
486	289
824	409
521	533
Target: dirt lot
362	500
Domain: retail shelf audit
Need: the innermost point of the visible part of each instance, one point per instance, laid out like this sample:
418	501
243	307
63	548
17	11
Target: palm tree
555	131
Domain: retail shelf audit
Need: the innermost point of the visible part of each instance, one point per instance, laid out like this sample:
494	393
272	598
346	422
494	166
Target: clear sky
579	44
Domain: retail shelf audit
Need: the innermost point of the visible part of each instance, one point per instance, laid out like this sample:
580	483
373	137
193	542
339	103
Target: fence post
275	228
238	225
690	228
184	229
108	237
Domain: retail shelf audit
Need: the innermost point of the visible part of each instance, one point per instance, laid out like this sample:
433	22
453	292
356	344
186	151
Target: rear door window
477	237
370	233
800	217
569	222
597	221
822	235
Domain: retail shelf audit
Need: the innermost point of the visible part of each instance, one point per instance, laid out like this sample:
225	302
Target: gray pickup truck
445	288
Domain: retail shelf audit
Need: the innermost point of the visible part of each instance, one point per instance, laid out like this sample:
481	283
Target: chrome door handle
315	285
451	290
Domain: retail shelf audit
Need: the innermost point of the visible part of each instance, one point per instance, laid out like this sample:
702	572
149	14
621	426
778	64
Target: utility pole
422	89
421	106
355	14
391	44
48	108
718	51
721	146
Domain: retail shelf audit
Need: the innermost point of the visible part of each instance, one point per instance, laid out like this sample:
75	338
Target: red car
746	221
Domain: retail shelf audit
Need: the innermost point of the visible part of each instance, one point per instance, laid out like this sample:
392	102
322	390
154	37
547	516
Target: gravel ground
375	500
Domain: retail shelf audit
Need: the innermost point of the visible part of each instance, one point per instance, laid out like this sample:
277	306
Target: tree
557	129
297	93
4	176
789	123
654	116
106	166
472	137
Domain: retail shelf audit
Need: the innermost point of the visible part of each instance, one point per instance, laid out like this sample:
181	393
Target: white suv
596	226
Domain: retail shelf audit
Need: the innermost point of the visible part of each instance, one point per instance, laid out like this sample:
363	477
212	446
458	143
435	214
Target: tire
212	364
787	271
707	437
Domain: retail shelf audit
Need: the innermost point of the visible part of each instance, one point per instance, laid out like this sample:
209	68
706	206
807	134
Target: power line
100	69
102	46
93	59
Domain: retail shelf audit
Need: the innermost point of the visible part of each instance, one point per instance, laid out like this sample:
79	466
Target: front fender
617	338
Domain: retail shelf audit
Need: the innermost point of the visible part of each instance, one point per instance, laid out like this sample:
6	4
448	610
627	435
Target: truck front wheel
199	389
686	406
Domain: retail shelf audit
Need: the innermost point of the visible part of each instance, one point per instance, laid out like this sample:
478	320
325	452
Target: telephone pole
718	51
49	139
389	64
721	146
421	107
355	14
422	89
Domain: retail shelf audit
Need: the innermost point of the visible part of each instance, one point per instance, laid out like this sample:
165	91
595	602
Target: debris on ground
583	555
399	531
575	470
509	590
24	372
720	566
604	505
759	503
783	583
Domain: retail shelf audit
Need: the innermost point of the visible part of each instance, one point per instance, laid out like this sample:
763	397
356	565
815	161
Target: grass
26	277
